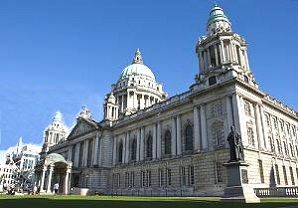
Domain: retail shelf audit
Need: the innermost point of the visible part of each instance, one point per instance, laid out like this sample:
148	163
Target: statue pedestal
238	189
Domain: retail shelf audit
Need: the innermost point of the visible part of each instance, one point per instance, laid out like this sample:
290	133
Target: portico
55	169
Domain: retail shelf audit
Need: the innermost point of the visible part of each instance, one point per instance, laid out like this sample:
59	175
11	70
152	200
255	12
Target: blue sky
61	54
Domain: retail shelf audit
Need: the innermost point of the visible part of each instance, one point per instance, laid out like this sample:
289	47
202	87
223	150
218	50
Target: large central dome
137	68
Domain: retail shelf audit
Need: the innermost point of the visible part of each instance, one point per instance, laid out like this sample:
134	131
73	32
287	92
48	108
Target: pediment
82	127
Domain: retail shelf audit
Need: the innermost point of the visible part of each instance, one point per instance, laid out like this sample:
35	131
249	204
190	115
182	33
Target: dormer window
245	78
212	80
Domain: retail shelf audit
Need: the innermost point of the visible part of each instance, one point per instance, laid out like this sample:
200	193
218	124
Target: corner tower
222	53
55	132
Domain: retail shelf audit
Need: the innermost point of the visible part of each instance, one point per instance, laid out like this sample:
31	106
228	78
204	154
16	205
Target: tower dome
218	22
137	68
217	14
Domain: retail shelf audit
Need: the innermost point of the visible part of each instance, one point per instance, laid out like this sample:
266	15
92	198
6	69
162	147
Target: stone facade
148	144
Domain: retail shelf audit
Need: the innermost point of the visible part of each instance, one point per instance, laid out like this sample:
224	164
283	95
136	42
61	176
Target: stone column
44	169
216	57
203	127
77	154
246	59
122	104
141	101
201	60
95	152
50	178
142	142
223	55
99	153
135	103
174	137
154	142
208	58
138	145
158	145
179	139
66	180
114	150
85	153
264	127
239	118
196	130
205	60
69	155
229	117
127	148
234	52
259	127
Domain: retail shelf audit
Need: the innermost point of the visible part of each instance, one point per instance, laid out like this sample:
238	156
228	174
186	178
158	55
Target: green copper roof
137	69
217	14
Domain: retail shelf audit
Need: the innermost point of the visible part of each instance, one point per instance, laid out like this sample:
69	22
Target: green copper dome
217	14
137	68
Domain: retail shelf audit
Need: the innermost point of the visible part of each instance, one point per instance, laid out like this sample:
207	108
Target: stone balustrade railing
277	192
281	105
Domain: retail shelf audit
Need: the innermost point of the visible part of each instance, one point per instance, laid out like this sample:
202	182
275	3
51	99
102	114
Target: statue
236	150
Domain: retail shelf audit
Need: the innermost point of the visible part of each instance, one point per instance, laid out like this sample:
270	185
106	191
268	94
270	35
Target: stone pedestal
238	189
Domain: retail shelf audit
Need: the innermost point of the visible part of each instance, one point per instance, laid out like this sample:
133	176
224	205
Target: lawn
131	202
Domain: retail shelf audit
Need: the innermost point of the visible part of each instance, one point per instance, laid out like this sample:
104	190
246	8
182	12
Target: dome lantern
137	68
218	22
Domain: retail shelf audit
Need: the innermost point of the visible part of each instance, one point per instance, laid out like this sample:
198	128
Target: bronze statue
236	150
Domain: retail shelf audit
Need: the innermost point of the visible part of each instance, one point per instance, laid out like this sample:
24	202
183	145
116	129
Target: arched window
188	138
134	149
149	147
120	152
167	143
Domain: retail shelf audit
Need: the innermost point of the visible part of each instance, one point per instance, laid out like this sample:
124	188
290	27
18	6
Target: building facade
19	166
152	144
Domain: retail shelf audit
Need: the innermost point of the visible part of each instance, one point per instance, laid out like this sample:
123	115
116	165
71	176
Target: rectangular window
183	176
132	179
277	174
292	176
192	175
148	178
160	177
261	171
117	179
143	175
114	180
126	179
285	174
218	167
169	175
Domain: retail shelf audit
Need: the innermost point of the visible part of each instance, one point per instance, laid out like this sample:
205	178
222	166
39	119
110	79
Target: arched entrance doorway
55	170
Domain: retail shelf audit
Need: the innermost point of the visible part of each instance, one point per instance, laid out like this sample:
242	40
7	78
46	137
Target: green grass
131	202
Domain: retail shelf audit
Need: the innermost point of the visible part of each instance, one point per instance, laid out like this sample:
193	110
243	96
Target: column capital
68	170
45	168
52	167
